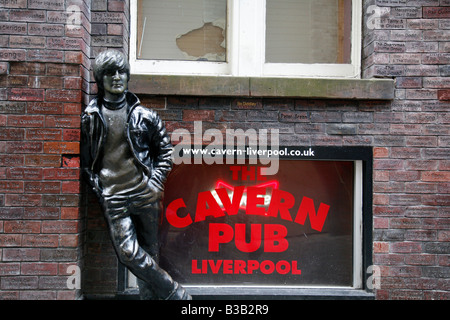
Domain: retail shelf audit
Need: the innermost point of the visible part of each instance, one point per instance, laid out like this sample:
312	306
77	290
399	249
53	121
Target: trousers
133	222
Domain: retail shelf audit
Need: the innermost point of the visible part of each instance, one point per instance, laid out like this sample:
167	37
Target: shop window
260	38
230	231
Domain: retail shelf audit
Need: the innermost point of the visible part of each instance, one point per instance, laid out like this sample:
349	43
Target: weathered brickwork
408	42
48	222
44	58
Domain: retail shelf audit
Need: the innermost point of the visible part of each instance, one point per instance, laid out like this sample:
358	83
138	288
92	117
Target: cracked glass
192	30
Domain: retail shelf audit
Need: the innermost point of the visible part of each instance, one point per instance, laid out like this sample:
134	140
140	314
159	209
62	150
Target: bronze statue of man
126	157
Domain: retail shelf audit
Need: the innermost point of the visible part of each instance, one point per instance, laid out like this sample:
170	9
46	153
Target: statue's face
115	84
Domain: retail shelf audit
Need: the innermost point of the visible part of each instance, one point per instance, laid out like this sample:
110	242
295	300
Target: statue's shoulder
138	109
92	106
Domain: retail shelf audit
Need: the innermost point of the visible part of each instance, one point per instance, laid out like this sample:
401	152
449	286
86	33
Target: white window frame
245	43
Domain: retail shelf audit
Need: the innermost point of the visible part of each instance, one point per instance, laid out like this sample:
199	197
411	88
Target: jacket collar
95	104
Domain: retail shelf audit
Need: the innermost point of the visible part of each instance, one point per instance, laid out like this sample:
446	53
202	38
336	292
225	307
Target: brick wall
410	43
47	223
109	29
43	66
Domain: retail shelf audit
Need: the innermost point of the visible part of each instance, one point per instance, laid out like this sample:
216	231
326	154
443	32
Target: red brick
42	187
23	147
59	227
62	147
24	94
405	247
380	247
72	83
27	68
380	152
63	95
57	69
45	82
10	240
21	254
72	108
22	200
25	121
44	134
69	240
62	121
71	162
43	160
441	176
45	55
40	240
45	108
12	134
11	186
70	187
4	67
436	12
70	213
73	57
444	95
61	173
41	213
198	115
71	135
34	268
22	227
9	269
13	28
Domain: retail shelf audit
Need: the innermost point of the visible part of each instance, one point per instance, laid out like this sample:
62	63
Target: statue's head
108	63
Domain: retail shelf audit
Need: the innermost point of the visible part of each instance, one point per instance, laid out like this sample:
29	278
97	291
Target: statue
126	157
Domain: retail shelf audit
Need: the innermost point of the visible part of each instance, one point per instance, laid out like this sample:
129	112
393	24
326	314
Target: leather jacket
146	135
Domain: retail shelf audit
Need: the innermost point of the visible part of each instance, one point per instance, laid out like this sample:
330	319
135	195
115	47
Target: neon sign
221	184
229	224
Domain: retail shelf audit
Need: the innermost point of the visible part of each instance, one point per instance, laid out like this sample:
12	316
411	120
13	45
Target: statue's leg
147	222
133	256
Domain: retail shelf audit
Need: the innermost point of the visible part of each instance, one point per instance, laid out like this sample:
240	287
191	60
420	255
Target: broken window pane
308	31
182	30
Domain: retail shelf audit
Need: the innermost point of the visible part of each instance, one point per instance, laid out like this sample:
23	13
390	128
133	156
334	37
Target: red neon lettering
255	237
172	216
207	206
227	266
281	202
239	267
274	238
215	267
283	267
245	267
295	270
235	170
269	264
231	207
253	200
252	265
219	233
195	269
307	208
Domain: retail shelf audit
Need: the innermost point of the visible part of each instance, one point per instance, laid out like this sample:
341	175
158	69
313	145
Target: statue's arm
162	161
85	149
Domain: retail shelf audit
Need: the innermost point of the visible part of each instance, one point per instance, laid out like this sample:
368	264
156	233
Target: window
257	38
304	230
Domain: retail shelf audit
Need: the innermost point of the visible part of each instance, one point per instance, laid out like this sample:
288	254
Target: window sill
364	89
274	293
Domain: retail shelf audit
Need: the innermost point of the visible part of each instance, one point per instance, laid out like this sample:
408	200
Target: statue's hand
94	181
156	191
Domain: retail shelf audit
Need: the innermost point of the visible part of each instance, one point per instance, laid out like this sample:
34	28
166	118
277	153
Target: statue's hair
107	62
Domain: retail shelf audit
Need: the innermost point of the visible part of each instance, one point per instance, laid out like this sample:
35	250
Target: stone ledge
364	89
